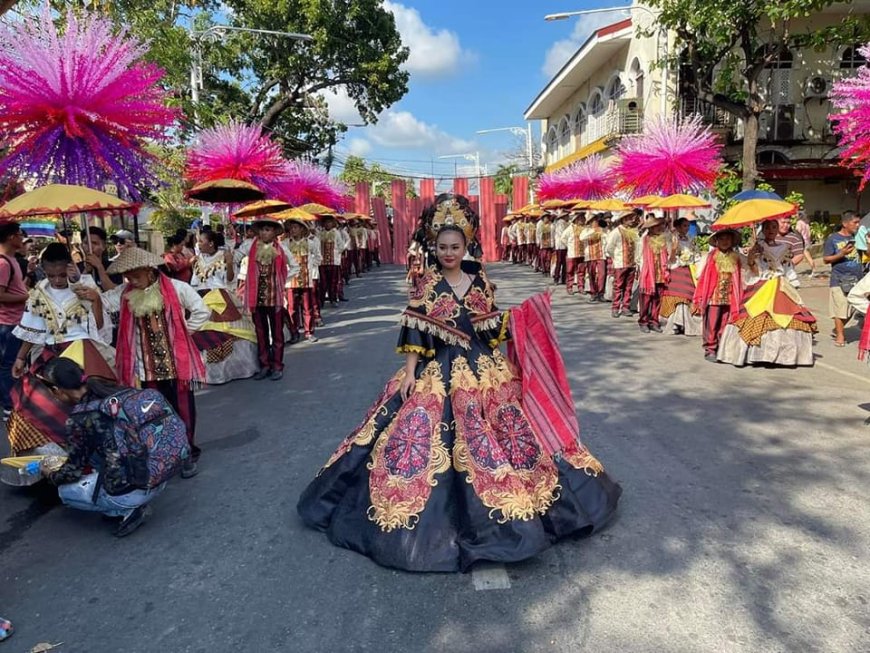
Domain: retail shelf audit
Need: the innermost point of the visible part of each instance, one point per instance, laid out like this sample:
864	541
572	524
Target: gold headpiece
449	212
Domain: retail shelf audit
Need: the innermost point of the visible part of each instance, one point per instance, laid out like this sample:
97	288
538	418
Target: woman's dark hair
776	222
172	241
63	373
214	238
680	222
94	230
55	253
189	240
452	228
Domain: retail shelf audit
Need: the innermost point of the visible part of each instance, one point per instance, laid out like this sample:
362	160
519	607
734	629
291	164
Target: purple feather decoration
78	107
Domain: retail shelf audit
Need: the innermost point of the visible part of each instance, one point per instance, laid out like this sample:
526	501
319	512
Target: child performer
652	255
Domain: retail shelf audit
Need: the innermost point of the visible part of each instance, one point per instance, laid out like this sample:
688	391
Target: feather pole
78	107
852	125
672	156
589	179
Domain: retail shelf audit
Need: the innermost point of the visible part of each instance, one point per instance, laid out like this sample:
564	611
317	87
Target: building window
637	79
552	144
580	125
771	158
852	58
616	89
564	137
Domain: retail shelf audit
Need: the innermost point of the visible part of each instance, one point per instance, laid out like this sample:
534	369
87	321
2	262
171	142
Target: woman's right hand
407	387
18	368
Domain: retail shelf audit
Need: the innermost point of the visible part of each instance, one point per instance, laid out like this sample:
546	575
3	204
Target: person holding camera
840	253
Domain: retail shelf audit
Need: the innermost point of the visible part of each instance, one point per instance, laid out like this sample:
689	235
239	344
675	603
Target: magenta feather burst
852	125
239	151
672	156
589	179
79	107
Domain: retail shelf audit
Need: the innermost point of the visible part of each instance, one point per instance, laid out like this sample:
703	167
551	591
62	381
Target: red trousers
576	274
301	307
330	283
559	269
715	321
181	398
269	325
345	266
623	280
597	271
650	306
545	257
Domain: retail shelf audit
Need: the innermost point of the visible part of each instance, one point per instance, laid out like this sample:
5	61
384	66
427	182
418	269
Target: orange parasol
609	205
675	202
63	199
318	209
262	207
750	212
645	200
225	191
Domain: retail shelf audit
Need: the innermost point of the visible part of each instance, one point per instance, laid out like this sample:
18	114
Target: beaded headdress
451	210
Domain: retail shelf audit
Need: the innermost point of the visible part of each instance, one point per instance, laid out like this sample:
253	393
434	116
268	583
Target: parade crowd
742	299
100	354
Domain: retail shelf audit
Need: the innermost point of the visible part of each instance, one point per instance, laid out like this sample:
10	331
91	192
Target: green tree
729	44
356	170
504	178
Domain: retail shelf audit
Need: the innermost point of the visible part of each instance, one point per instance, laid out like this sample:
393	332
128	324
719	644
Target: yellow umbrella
318	209
62	199
295	214
750	212
262	207
557	204
674	202
229	191
645	200
609	205
579	205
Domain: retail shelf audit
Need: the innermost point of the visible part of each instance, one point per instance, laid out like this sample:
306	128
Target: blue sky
474	64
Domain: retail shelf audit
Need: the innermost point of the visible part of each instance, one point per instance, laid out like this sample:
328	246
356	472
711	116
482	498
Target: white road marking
490	577
843	372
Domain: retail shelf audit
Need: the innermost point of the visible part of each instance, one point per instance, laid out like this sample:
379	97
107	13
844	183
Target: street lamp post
519	131
472	156
663	37
216	32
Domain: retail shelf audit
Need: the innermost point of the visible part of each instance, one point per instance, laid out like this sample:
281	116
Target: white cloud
359	146
341	106
401	129
561	51
433	52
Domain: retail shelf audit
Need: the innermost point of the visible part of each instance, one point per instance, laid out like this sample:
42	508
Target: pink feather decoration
79	107
589	179
852	125
671	157
243	152
305	183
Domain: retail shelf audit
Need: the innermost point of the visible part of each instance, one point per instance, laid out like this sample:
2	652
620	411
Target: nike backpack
149	435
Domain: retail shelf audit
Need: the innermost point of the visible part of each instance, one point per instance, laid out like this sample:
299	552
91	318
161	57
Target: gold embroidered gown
454	475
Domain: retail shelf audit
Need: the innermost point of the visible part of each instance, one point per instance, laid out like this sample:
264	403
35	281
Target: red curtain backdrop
427	190
487	236
460	186
379	211
403	223
363	200
521	192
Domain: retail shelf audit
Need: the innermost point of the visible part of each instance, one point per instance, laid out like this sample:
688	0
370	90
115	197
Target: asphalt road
744	524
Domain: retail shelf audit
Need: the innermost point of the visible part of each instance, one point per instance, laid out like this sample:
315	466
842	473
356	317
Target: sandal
6	629
839	344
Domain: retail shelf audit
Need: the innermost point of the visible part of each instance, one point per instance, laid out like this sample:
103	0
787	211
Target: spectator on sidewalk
802	226
796	246
846	270
13	297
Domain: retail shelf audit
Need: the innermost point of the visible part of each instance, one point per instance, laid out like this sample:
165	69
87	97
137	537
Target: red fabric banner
501	209
379	212
520	193
460	186
488	229
363	200
403	223
427	190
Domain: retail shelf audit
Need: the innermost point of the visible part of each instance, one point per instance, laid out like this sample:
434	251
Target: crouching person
123	445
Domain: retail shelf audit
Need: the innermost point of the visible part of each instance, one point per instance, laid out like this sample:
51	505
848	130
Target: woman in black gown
444	469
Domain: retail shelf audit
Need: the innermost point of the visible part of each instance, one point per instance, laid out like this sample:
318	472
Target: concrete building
613	85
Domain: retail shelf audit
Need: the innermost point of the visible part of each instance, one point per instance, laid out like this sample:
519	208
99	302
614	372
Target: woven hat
268	221
651	222
134	258
716	234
